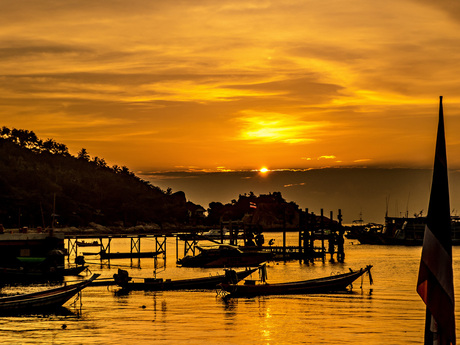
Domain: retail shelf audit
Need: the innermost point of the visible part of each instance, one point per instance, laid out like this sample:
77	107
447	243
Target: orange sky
165	85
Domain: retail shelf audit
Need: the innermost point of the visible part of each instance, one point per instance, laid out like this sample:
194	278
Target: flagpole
435	280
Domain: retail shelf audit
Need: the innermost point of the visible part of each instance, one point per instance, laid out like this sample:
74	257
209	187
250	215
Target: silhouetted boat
87	244
158	284
225	255
105	255
217	233
331	283
407	231
42	301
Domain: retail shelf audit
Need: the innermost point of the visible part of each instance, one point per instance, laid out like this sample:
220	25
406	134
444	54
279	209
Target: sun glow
264	170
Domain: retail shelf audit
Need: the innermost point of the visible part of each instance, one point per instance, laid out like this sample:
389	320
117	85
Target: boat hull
43	301
204	283
321	285
233	258
133	255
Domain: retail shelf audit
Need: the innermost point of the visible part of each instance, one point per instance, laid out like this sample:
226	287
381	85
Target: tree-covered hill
40	181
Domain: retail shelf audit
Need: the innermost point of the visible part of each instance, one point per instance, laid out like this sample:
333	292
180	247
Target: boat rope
77	299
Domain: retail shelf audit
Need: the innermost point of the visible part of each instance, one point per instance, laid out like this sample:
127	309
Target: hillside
42	183
38	177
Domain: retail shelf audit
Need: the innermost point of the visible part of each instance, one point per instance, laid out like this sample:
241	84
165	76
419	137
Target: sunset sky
216	85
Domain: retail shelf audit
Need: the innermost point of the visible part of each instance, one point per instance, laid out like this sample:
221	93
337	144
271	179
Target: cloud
176	83
274	127
294	184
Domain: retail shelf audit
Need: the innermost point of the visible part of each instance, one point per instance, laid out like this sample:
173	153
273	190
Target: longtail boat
87	244
225	255
331	283
42	301
159	284
106	255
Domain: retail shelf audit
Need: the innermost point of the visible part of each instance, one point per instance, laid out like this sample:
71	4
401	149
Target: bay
388	312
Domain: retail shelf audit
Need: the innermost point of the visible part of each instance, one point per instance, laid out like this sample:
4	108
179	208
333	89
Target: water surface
388	312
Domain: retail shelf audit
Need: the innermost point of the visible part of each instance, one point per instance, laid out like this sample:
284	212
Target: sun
264	170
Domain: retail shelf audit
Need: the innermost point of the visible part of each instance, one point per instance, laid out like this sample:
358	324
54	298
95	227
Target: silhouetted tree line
41	178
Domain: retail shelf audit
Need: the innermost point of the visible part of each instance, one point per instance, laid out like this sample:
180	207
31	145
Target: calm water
388	312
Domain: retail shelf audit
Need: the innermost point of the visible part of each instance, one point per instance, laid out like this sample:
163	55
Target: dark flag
435	278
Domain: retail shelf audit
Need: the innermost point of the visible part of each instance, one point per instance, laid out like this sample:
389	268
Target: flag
435	278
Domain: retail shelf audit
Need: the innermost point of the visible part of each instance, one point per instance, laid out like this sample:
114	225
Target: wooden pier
104	245
318	237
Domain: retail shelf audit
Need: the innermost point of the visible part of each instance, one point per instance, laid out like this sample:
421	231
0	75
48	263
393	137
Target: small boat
104	255
331	283
87	244
42	301
217	233
403	231
225	255
158	284
124	255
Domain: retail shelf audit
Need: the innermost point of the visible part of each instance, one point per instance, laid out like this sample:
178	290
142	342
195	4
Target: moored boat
159	284
106	255
407	231
225	255
87	244
331	283
42	301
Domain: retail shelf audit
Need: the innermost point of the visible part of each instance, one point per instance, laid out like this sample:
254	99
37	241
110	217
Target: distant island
42	185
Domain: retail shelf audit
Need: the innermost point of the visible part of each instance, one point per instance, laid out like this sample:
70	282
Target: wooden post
177	248
284	235
301	216
331	237
136	245
72	245
305	237
340	240
221	233
321	223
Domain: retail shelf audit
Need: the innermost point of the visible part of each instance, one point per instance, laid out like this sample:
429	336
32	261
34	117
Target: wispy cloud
236	84
294	184
275	127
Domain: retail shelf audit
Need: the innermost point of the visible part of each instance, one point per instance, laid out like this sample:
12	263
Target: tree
5	132
61	149
83	154
100	162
